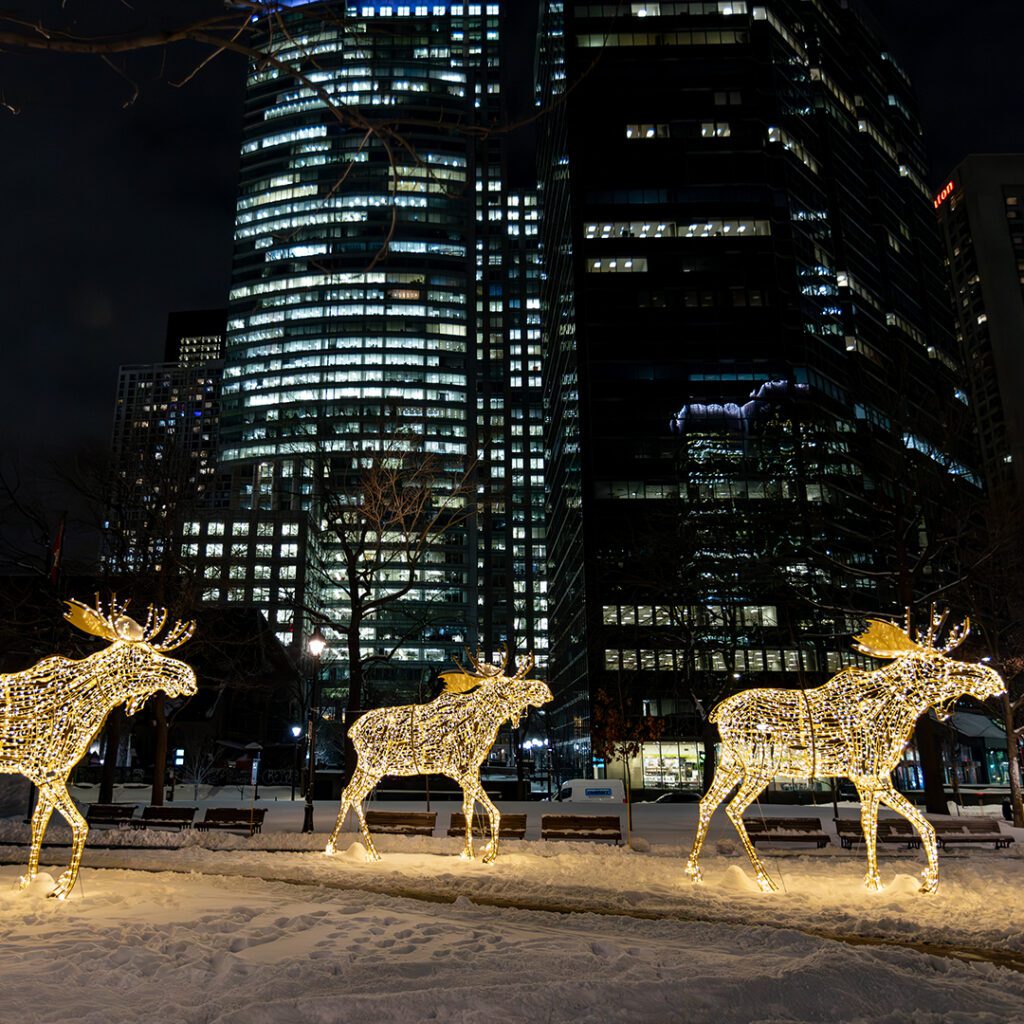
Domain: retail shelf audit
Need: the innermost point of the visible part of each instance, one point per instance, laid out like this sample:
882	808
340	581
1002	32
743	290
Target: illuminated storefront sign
944	193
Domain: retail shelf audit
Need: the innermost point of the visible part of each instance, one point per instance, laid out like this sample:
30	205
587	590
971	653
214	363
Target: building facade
385	298
755	406
980	210
164	455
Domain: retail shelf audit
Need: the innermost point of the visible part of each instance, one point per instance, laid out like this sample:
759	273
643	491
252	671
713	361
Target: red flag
57	550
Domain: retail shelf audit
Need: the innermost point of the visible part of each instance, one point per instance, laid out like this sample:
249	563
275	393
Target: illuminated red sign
944	194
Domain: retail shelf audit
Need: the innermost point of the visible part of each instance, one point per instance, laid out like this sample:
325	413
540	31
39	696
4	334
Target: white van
606	790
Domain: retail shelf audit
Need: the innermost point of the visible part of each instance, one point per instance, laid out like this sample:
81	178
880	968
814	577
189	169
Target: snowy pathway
206	950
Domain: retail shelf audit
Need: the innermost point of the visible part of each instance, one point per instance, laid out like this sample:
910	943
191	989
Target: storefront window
672	764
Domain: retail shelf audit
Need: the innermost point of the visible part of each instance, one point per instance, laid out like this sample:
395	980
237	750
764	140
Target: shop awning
977	726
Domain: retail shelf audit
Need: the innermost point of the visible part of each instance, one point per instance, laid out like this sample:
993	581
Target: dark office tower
195	336
512	559
369	302
164	444
981	216
751	380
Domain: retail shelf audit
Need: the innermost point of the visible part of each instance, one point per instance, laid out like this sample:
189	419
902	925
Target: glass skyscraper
385	286
754	396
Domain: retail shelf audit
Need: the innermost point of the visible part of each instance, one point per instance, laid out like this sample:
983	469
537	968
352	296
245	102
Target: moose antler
463	681
116	625
484	669
525	667
884	640
179	633
957	635
936	621
95	621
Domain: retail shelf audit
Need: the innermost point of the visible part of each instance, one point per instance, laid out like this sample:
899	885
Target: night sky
112	217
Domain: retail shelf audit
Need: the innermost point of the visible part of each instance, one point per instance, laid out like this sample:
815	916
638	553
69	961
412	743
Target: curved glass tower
373	233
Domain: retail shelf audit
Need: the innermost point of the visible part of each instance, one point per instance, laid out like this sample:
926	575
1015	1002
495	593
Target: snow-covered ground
219	929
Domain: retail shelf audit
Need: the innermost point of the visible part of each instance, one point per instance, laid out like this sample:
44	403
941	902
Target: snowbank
191	949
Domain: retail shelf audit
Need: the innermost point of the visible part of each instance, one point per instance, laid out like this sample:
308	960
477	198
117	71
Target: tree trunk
709	737
1013	763
929	751
353	706
159	748
629	797
112	739
954	775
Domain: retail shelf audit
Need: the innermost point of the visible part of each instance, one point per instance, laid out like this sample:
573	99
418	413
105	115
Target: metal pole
307	819
295	766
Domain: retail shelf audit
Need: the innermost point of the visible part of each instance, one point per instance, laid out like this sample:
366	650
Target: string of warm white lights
51	713
451	736
856	725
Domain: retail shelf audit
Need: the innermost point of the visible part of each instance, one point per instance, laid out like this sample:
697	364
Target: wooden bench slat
968	830
786	830
890	830
402	823
511	826
607	827
250	819
109	814
170	817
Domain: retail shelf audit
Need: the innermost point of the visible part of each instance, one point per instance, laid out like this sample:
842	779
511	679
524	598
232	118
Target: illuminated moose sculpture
451	735
51	713
856	725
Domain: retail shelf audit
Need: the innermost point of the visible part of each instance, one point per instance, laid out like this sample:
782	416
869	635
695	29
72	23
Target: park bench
890	830
402	823
511	826
786	830
607	827
247	819
110	814
165	817
970	830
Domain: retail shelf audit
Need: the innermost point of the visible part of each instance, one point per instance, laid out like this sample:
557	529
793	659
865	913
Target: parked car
606	790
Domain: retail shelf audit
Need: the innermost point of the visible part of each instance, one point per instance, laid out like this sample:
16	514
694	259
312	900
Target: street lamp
296	733
315	645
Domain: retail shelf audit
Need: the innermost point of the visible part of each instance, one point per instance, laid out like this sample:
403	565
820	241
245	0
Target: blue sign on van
598	793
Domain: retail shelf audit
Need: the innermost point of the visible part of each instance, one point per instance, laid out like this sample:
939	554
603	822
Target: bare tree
385	512
618	733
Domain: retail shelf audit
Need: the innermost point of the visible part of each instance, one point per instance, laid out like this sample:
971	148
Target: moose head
136	658
516	692
937	678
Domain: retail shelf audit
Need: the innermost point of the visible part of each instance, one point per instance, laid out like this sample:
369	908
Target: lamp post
296	733
315	645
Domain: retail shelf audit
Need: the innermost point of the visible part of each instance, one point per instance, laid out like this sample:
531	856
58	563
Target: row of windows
631	229
290	551
722	490
617	266
795	147
655	9
737	662
672	615
710	38
216	528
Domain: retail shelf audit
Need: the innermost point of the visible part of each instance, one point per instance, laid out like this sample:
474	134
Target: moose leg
362	783
494	817
901	805
346	803
867	790
726	776
353	796
40	819
468	802
750	787
57	793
